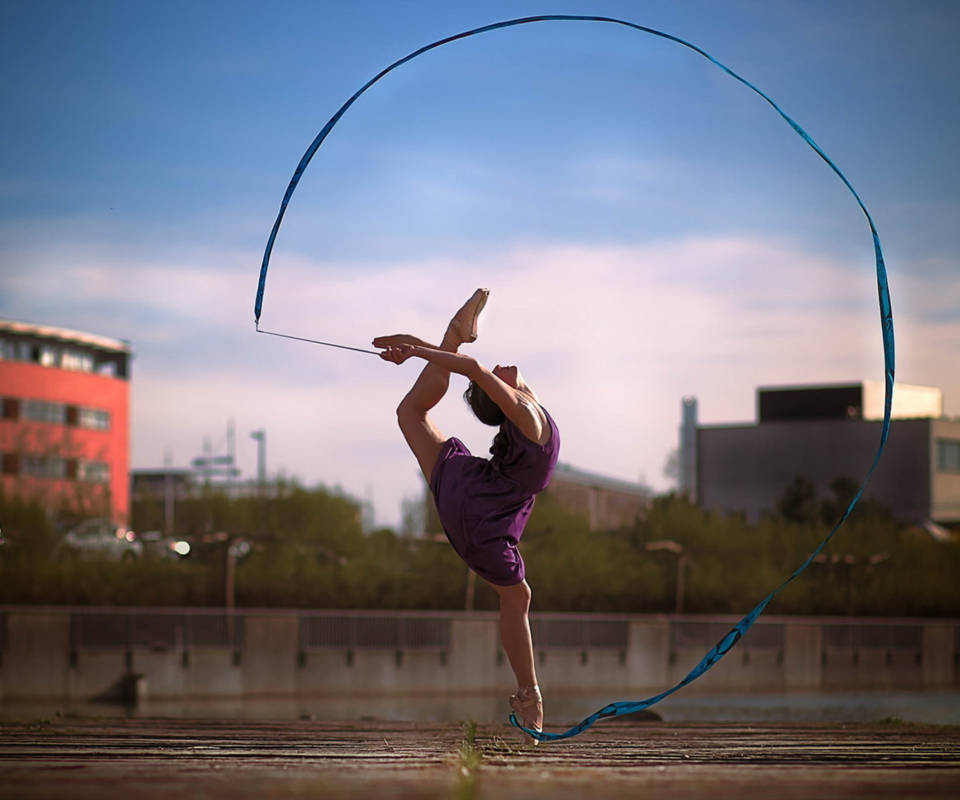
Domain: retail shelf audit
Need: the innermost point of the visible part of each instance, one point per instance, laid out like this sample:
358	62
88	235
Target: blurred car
100	538
156	545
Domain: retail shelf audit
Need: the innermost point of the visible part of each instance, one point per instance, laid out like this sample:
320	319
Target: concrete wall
802	660
36	657
269	665
42	655
939	641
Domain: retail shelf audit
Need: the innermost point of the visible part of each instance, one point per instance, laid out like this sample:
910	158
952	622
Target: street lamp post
236	549
852	564
683	558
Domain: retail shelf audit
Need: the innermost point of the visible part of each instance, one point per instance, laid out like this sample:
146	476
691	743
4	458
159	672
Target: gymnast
483	504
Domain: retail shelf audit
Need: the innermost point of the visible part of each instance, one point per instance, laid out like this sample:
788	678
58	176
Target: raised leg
423	437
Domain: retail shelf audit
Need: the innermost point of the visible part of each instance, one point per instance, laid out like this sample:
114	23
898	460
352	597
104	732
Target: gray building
607	503
822	433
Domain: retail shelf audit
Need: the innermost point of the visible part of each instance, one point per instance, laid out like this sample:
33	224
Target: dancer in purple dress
483	504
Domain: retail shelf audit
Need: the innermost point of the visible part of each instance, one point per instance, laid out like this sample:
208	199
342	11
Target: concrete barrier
939	655
475	660
80	653
36	657
268	660
802	657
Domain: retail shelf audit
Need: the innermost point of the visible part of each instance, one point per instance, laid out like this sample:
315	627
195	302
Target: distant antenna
217	467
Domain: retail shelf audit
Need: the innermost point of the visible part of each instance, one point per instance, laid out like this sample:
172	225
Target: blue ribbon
727	643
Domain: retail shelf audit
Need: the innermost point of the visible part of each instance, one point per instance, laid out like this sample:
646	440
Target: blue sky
648	227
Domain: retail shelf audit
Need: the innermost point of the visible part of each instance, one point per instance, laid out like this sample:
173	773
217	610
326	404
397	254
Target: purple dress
484	504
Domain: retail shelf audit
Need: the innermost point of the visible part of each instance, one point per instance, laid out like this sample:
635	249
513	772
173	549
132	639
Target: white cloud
611	337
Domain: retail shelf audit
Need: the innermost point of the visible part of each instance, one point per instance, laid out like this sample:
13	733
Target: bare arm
520	407
452	362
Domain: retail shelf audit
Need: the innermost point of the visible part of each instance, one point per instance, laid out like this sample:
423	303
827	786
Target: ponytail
489	413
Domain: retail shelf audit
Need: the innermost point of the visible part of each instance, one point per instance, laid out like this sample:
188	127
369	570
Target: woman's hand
398	354
451	362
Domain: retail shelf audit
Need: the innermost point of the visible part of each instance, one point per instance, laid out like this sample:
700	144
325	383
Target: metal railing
704	635
580	633
872	636
186	629
156	630
355	631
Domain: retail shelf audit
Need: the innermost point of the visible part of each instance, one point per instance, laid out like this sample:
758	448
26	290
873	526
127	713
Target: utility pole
168	496
688	449
230	581
260	436
231	453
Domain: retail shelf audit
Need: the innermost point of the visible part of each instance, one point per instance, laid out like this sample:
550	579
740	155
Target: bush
309	551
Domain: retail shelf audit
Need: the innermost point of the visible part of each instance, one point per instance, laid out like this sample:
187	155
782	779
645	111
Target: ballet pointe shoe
463	326
401	338
528	705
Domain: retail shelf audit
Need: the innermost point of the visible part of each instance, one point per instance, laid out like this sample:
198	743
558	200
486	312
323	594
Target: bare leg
518	645
423	437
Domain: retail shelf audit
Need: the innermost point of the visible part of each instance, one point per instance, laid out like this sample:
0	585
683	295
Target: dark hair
489	413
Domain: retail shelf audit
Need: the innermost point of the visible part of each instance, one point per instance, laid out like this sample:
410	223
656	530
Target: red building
65	419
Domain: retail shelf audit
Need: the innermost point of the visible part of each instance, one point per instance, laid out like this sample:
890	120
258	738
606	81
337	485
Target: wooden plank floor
144	759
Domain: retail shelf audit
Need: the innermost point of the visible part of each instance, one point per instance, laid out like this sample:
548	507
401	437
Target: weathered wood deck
146	759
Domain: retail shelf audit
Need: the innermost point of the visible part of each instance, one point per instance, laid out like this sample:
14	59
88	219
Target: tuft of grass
469	754
470	731
469	758
890	721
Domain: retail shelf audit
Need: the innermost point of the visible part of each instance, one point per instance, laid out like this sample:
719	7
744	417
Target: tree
798	503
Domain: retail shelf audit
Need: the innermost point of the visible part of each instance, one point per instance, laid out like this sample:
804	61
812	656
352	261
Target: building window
49	356
54	467
94	419
948	455
76	360
43	411
93	471
43	466
10	408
